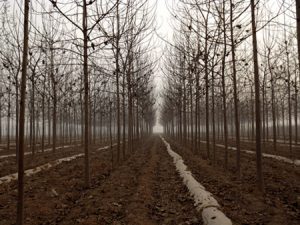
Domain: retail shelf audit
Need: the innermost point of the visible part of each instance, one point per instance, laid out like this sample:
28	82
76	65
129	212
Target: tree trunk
298	39
117	83
8	116
43	115
124	118
17	117
213	116
235	95
110	135
257	102
289	107
298	30
206	97
20	207
225	126
273	103
54	84
86	95
33	112
296	111
184	112
1	95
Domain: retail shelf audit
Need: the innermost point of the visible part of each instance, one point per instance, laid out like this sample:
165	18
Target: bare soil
9	165
240	198
267	147
38	147
143	189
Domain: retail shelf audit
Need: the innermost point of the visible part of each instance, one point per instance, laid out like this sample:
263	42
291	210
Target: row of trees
75	71
231	75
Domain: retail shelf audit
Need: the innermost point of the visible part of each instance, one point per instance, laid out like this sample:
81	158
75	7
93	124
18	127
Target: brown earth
9	166
267	147
38	147
143	189
241	200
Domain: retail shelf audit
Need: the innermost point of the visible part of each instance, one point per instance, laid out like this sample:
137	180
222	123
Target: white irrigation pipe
108	146
103	148
270	141
10	155
29	172
277	157
204	201
29	153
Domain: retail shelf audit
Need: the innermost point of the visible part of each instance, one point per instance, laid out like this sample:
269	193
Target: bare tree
257	100
20	208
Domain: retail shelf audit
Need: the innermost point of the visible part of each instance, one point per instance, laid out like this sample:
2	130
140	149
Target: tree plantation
146	112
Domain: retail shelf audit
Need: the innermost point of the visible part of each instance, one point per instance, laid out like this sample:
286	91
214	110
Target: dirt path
144	190
173	204
141	200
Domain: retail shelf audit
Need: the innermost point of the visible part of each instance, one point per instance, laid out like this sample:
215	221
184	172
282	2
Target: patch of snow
29	172
204	201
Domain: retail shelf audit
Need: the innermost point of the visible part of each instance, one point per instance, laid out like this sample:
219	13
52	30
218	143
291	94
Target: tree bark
1	95
54	84
117	83
298	29
20	206
225	126
8	116
17	116
260	180
86	95
235	95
